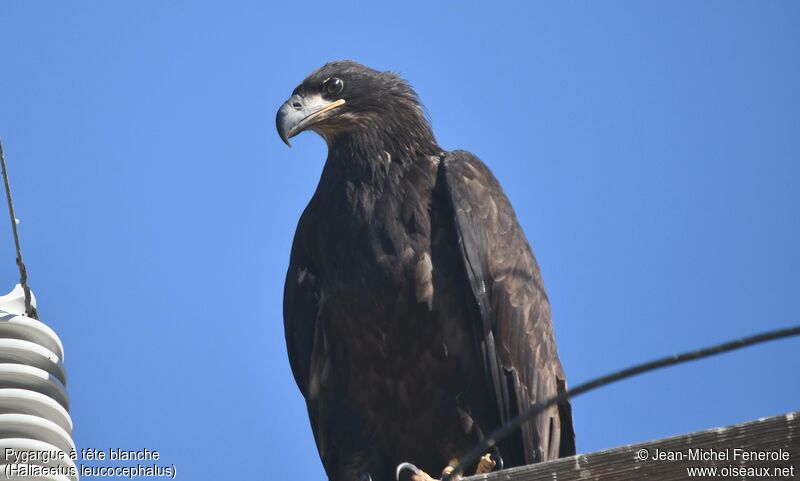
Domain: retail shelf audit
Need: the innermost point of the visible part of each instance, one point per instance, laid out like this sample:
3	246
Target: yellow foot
449	470
422	476
407	471
486	464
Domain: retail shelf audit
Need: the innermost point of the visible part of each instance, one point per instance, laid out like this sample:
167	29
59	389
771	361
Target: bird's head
346	99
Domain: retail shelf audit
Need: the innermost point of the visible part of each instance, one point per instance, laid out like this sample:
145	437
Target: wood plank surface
730	450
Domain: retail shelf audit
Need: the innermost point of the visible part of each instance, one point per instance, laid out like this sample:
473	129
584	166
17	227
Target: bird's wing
300	308
343	447
514	333
300	305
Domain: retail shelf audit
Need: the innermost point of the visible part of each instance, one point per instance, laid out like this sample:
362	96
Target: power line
30	311
499	434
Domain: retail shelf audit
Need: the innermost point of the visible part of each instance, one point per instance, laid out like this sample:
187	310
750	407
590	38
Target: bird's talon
447	471
498	460
485	465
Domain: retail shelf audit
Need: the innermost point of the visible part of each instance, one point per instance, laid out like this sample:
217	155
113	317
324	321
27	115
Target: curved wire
500	433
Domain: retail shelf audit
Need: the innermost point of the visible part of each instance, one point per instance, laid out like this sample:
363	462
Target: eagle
415	316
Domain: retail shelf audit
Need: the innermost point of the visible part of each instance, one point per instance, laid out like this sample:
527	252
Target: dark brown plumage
416	319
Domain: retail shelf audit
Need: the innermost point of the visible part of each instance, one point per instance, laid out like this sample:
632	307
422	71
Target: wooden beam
729	450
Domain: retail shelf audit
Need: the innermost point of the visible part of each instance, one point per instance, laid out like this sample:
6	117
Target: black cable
30	311
491	441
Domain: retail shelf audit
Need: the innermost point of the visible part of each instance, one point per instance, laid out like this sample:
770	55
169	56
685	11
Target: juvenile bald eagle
415	315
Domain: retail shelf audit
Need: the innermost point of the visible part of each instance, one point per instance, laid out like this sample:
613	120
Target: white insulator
29	353
34	419
24	401
27	445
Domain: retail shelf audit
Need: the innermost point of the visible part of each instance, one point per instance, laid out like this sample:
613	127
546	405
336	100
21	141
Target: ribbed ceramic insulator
34	418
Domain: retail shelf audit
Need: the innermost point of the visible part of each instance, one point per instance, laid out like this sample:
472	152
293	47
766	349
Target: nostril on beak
296	104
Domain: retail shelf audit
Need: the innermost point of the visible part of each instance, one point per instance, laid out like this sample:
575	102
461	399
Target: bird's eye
333	86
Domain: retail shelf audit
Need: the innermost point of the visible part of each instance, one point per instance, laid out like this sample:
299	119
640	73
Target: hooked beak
299	112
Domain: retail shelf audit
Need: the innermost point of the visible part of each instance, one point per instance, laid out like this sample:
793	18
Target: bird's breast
392	312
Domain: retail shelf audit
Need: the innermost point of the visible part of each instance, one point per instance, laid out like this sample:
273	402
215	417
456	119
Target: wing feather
304	341
515	337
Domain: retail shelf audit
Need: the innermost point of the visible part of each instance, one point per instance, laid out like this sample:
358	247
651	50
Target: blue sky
651	150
